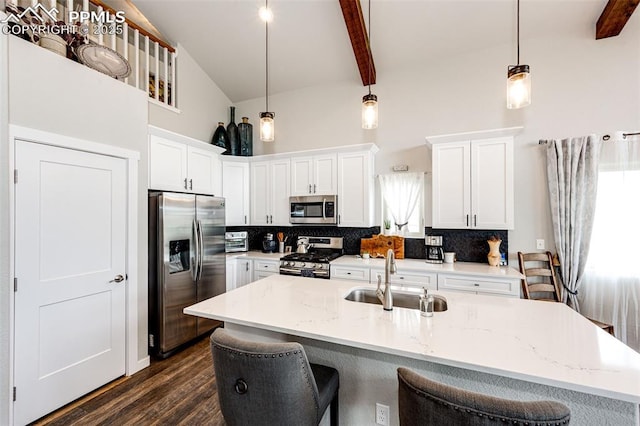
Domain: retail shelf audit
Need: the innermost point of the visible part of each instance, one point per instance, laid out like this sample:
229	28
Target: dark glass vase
220	137
245	129
232	132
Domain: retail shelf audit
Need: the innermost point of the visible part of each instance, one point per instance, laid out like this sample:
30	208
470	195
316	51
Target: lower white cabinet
347	273
479	285
230	274
402	279
476	284
265	268
243	272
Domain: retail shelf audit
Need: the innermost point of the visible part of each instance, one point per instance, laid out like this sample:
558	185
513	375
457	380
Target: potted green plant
387	227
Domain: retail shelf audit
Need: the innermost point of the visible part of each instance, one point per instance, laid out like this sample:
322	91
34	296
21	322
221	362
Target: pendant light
267	124
518	79
369	101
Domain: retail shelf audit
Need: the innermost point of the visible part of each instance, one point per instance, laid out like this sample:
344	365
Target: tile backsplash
470	245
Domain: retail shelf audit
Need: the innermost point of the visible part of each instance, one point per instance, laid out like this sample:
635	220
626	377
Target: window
610	288
402	203
616	231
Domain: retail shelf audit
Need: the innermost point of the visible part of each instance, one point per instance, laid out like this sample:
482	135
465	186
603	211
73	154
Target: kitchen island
512	348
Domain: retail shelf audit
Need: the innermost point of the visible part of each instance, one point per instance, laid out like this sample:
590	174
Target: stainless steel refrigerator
186	265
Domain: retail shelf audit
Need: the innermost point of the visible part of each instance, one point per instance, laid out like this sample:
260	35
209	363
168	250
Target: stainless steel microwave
314	210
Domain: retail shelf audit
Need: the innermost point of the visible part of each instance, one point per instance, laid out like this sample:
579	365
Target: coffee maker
269	245
433	249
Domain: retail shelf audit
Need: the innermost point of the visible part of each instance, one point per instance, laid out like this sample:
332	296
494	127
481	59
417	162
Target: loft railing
152	60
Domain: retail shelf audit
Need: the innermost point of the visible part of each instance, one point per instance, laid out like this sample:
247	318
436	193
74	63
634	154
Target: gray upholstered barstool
271	383
424	402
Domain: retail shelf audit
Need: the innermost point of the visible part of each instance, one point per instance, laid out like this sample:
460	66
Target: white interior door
70	236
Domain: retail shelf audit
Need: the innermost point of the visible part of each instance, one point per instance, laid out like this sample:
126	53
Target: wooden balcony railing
152	60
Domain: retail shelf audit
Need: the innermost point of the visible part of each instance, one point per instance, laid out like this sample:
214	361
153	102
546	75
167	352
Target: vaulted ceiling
309	43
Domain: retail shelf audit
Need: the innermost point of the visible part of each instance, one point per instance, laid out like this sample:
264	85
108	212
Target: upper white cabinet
473	180
179	163
356	188
314	175
235	189
270	189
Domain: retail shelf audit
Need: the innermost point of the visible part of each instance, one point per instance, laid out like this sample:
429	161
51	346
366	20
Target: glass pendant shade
369	111
518	86
267	126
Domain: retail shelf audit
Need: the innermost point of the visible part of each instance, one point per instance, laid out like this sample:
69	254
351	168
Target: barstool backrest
424	402
263	383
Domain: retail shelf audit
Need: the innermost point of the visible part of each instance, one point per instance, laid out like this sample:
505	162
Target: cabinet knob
476	284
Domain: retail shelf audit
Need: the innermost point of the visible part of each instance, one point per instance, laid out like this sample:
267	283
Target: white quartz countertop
540	342
420	265
255	255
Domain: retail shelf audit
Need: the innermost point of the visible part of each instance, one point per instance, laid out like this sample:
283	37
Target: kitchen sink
401	299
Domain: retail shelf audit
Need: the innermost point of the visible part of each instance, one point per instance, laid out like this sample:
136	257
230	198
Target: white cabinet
356	189
314	175
243	272
265	268
178	166
479	285
235	189
349	273
270	189
473	180
230	273
408	279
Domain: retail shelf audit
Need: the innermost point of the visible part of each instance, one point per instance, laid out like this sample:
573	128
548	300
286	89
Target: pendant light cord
369	46
518	30
266	57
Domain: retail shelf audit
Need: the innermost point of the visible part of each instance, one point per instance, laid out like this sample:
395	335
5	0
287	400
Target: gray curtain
572	175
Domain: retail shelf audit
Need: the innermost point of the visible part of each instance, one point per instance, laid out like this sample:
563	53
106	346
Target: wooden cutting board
378	245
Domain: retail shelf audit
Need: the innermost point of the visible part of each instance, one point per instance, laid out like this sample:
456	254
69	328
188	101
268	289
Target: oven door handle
293	271
324	202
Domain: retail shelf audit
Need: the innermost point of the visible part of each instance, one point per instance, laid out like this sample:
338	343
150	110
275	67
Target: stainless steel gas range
315	262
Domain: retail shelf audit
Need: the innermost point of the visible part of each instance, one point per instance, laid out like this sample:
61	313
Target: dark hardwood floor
180	390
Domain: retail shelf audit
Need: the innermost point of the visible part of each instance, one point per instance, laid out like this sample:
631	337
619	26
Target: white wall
53	94
201	103
580	86
5	287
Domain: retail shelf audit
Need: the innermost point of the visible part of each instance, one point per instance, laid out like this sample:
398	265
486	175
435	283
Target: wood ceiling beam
352	11
614	17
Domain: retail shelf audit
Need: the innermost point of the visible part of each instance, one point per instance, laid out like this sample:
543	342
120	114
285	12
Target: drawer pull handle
348	273
476	284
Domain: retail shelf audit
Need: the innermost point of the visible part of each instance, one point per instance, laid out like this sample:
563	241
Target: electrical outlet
382	414
540	244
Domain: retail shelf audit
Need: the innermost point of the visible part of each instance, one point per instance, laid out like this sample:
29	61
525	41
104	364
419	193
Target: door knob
117	279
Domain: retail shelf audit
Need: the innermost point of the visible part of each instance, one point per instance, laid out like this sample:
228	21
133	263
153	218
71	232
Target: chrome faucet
386	298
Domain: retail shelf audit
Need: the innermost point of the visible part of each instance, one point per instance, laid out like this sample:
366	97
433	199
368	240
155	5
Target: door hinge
15	393
15	175
15	284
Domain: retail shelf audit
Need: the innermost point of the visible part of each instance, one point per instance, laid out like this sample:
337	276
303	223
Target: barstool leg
334	410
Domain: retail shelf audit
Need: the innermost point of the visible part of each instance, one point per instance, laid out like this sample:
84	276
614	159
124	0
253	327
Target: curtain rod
604	138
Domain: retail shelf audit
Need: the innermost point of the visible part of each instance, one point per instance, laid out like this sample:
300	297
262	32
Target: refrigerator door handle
200	249
196	247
